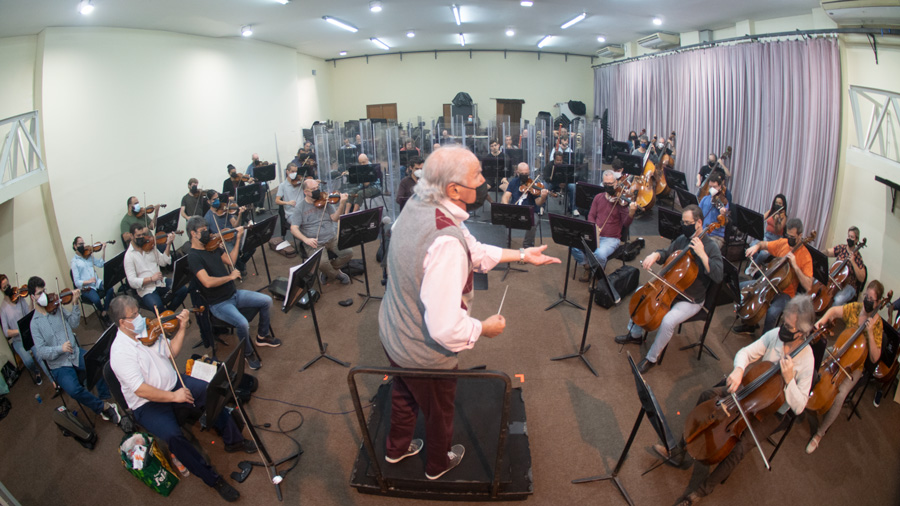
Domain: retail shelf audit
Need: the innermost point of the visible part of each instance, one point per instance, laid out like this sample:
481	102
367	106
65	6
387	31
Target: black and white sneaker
252	362
271	342
415	446
111	413
456	455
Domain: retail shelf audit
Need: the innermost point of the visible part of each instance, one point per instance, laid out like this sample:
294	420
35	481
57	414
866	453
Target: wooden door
513	109
382	111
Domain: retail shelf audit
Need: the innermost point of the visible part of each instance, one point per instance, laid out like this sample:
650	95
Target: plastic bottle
37	397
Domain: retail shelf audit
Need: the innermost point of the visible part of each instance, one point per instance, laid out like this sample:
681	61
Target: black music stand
669	223
301	279
357	175
220	391
597	274
585	193
356	229
347	156
632	164
820	265
494	169
675	178
264	174
750	222
257	236
570	232
514	155
685	197
248	195
97	357
651	408
168	222
512	217
563	176
114	271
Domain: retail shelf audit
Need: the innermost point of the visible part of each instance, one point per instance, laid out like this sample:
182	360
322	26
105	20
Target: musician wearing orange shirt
801	265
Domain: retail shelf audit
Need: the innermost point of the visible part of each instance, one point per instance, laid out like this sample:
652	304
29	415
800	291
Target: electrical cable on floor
310	407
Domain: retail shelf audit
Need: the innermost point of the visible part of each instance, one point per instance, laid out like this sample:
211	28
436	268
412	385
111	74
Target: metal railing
21	162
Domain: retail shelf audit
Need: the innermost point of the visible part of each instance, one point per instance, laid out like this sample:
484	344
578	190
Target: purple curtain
778	104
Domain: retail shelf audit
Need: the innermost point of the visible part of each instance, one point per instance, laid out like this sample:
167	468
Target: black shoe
627	339
645	365
247	445
226	491
746	329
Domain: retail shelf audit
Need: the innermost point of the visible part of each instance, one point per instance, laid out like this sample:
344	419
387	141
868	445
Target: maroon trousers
435	397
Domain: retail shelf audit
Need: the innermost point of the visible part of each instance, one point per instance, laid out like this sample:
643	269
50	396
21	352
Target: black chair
81	299
249	314
705	315
890	341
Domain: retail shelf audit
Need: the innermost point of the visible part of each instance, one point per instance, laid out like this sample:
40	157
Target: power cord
310	407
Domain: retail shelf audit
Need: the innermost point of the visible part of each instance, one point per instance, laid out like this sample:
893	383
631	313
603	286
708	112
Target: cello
704	188
652	301
756	298
715	426
840	275
643	186
850	352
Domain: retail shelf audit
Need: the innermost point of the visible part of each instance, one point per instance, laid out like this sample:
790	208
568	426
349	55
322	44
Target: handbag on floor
625	281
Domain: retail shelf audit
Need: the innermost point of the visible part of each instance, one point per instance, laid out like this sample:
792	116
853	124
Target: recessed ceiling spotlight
510	32
657	21
343	53
246	30
455	9
544	41
375	6
573	20
283	2
342	24
85	7
462	40
411	34
601	39
526	3
380	44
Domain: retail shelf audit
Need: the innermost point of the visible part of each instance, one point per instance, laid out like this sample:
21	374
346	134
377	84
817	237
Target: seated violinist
225	216
842	252
235	180
306	161
610	215
366	190
85	277
800	263
407	184
712	206
142	262
263	186
709	260
135	214
775	346
855	315
513	194
316	228
549	174
194	202
713	165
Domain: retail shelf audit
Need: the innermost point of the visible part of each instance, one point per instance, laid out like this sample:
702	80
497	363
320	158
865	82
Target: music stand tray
264	172
571	232
249	195
114	271
669	223
97	357
585	193
675	178
168	222
820	264
749	221
632	165
257	236
686	198
512	217
359	174
356	229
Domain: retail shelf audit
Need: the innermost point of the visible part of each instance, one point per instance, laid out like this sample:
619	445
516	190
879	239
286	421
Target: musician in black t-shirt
217	286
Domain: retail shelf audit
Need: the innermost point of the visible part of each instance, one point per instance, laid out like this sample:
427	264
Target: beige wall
859	199
421	84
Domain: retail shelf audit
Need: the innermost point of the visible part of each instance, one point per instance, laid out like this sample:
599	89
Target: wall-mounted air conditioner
863	12
611	51
660	40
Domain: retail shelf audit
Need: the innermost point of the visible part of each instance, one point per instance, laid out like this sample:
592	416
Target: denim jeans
67	379
93	298
27	359
229	312
681	311
775	308
605	248
762	256
847	294
154	298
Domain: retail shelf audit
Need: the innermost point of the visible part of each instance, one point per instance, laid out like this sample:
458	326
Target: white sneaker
456	455
576	213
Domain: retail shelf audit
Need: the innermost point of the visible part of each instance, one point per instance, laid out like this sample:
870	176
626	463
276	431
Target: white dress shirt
446	272
140	264
136	364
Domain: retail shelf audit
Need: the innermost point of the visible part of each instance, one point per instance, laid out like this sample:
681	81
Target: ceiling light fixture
380	44
283	2
574	20
544	41
375	6
510	32
455	9
343	53
85	7
526	3
601	39
246	30
342	24
462	40
657	21
411	34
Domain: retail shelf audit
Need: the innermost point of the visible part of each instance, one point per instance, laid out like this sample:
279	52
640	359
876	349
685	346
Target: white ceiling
299	24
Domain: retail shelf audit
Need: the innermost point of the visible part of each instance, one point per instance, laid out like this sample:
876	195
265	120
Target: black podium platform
476	426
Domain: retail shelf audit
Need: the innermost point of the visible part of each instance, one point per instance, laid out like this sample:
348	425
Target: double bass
756	298
662	186
715	426
840	275
652	301
850	352
704	188
643	186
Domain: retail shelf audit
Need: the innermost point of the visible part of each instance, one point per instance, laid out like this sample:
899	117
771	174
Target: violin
19	293
158	240
149	210
238	177
652	301
97	246
848	355
704	188
757	297
217	240
170	325
65	296
714	427
325	199
840	275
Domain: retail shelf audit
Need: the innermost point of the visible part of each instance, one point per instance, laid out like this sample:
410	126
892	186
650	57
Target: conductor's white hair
450	164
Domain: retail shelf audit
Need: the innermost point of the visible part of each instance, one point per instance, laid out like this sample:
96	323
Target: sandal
813	444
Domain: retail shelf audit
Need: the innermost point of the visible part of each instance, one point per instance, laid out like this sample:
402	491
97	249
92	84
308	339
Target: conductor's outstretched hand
536	256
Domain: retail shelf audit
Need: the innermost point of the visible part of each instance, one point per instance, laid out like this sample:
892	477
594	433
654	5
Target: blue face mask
643	144
140	325
215	203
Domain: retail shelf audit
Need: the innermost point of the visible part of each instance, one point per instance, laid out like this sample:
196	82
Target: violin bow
165	338
761	271
62	315
679	292
527	189
219	229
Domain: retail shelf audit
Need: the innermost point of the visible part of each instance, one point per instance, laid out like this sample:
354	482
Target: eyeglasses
464	186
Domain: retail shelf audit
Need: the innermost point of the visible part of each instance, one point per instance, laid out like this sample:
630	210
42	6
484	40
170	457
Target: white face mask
660	144
42	300
713	192
136	208
292	175
418	173
618	175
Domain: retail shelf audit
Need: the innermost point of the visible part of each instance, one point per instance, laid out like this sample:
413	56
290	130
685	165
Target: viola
849	355
149	210
94	248
840	275
217	240
652	301
757	297
170	325
238	177
65	296
158	240
704	188
19	293
714	427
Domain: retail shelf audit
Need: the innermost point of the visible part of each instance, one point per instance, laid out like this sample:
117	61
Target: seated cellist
709	260
774	346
